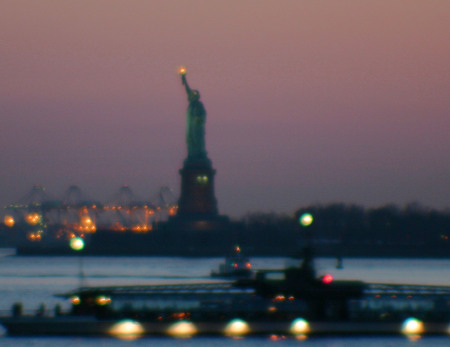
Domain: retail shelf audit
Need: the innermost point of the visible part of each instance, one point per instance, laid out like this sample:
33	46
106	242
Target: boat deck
198	288
406	289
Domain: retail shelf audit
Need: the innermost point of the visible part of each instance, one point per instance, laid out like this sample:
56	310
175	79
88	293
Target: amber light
9	221
75	300
33	218
102	300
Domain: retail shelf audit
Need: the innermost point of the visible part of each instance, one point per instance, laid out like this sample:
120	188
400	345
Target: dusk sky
307	101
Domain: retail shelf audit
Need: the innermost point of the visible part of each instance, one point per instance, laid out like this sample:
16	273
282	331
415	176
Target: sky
308	102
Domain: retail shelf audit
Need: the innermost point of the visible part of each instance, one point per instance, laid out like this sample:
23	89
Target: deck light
127	329
182	329
102	300
299	327
237	328
279	298
75	300
412	327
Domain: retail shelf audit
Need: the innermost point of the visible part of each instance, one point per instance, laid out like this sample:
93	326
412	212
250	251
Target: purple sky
307	101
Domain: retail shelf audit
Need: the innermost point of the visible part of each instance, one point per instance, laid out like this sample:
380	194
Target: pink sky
307	101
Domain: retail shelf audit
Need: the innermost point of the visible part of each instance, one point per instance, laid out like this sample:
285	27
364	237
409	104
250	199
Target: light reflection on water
225	342
32	280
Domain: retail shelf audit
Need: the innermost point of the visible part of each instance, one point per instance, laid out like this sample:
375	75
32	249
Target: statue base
194	235
198	229
197	198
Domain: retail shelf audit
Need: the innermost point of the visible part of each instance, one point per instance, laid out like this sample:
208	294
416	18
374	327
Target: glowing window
202	179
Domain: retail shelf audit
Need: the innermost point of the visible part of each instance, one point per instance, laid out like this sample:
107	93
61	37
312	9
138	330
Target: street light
305	220
77	244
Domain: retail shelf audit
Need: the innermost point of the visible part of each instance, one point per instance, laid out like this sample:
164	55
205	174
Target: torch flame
182	70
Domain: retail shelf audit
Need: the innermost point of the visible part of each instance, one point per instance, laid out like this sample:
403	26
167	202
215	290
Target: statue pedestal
198	229
197	199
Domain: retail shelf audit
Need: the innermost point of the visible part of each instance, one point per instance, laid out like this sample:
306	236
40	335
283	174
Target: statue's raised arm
182	72
186	85
195	121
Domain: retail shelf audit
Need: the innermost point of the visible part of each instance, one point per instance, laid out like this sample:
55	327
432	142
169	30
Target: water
33	280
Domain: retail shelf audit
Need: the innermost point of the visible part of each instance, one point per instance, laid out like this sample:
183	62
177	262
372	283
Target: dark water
33	280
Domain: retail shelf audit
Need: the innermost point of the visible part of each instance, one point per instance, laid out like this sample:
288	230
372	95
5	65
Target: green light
306	219
77	243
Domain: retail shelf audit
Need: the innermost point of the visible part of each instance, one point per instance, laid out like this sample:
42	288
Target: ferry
288	302
236	265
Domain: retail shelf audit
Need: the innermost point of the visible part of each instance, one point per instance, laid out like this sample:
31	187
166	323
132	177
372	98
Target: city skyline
307	102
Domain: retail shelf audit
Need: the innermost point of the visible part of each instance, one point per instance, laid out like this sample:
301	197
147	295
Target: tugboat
236	265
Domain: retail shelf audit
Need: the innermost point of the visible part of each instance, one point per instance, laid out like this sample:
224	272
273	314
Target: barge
288	302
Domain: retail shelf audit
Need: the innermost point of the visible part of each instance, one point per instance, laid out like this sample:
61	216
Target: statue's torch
182	73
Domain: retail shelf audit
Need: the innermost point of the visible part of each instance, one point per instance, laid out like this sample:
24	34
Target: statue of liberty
195	121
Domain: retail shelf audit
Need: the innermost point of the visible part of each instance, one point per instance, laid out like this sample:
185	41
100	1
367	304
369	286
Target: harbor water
35	280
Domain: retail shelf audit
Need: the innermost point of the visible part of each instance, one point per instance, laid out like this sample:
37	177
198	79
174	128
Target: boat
236	265
293	301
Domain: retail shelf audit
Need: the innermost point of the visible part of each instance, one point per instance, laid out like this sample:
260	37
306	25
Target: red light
248	265
327	279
